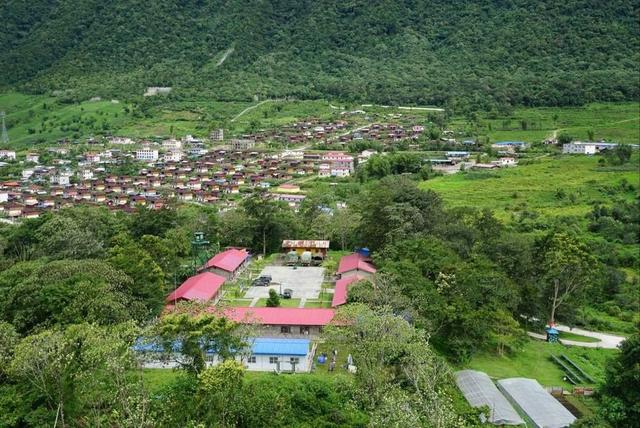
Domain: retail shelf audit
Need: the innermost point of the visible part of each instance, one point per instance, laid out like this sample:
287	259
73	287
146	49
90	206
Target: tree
66	292
62	238
148	278
399	378
620	394
274	300
565	266
82	373
197	335
620	154
394	209
267	219
564	138
220	393
343	227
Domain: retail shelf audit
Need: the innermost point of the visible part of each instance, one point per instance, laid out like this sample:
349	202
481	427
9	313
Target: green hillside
464	54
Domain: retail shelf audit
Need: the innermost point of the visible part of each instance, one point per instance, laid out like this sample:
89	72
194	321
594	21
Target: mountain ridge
466	55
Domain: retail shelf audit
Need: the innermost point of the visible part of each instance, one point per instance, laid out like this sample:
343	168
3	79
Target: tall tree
566	266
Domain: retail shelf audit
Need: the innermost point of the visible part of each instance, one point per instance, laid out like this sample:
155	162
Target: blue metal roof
510	143
259	346
267	346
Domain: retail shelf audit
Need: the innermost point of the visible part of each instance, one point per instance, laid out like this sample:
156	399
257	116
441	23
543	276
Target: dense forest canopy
464	54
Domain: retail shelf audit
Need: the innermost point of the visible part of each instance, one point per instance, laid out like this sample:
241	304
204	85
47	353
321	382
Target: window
294	360
304	330
273	360
285	329
251	360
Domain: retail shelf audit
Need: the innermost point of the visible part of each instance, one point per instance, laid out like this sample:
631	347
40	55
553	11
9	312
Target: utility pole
5	135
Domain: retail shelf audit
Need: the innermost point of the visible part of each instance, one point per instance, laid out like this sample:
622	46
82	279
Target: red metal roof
355	261
203	286
228	260
340	292
281	316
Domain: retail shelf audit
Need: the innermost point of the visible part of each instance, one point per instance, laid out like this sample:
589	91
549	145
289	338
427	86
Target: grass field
611	121
38	118
533	361
577	338
536	186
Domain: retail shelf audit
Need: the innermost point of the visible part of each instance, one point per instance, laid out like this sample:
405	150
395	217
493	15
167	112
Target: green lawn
577	337
341	360
533	361
156	379
284	303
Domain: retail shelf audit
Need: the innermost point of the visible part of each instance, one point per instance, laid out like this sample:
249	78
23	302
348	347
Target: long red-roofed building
227	263
204	286
283	321
342	285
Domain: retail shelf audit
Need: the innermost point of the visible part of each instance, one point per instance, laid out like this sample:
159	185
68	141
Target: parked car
262	281
287	293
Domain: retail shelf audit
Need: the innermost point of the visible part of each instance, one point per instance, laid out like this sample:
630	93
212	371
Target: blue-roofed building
288	355
266	354
511	145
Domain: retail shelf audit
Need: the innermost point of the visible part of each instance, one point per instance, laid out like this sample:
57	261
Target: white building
579	148
324	170
85	174
121	141
146	154
27	173
265	354
172	144
62	178
340	171
33	157
217	135
243	144
173	156
7	154
506	161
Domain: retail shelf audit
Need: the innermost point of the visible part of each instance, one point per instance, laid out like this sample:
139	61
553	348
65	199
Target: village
124	174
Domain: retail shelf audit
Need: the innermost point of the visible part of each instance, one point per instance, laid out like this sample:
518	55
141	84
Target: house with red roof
356	264
204	287
228	263
287	322
342	286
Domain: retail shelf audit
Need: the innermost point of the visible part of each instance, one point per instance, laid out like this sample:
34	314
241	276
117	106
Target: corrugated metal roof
355	261
340	292
268	346
480	391
228	260
203	286
544	410
304	243
281	316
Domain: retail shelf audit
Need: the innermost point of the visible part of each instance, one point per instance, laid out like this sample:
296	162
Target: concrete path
607	341
303	302
254	302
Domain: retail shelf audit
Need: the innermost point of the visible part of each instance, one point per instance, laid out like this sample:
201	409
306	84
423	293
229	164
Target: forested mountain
457	53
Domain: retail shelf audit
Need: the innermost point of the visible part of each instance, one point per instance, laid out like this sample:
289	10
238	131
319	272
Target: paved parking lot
305	282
